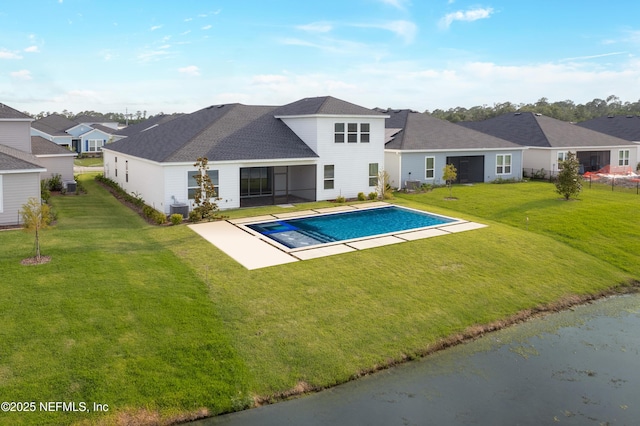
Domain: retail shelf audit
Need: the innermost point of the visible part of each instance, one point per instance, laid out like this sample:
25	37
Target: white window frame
429	170
352	132
95	145
624	156
503	167
373	178
562	156
329	176
214	175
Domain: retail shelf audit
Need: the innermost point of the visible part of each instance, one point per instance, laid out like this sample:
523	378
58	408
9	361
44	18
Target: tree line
129	118
561	110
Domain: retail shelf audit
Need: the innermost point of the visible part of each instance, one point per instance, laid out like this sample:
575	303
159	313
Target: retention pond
571	368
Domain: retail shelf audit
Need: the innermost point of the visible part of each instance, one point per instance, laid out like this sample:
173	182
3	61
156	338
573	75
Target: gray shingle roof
156	120
424	132
105	129
529	129
41	146
220	133
6	112
625	127
54	125
326	105
14	159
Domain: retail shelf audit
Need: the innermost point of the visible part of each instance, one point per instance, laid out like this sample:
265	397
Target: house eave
331	116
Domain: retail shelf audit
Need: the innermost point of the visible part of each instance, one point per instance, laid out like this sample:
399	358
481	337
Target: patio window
339	133
623	157
364	132
429	167
192	185
503	164
373	174
329	173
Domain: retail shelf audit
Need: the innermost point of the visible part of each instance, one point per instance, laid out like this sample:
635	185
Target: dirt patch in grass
36	260
145	417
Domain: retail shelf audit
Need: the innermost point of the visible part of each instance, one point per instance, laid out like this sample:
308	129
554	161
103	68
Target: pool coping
254	251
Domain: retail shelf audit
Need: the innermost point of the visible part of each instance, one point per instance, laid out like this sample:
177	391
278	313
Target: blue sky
180	56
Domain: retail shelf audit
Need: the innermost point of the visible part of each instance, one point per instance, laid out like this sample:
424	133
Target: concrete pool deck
254	252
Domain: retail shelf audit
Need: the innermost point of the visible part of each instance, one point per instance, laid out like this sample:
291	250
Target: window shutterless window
352	132
192	184
503	164
94	145
562	156
364	132
623	157
329	173
429	167
339	133
373	174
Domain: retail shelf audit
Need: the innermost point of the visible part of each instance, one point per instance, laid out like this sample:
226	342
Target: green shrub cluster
373	195
361	196
176	219
134	199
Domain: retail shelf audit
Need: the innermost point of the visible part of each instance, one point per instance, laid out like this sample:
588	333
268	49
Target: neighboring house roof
41	146
13	159
54	125
410	130
220	133
535	130
8	113
90	119
147	124
621	126
324	105
105	129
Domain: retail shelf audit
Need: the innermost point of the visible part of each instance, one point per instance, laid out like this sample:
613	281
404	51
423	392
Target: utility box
69	185
180	208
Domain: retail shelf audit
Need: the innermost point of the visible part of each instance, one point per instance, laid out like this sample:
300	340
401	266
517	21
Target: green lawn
156	320
89	162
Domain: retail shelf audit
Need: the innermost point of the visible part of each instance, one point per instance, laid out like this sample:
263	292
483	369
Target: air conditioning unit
179	208
69	185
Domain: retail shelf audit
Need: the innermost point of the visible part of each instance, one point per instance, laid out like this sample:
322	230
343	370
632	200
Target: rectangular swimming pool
343	226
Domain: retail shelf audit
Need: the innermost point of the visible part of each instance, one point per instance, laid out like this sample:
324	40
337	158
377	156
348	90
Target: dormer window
352	132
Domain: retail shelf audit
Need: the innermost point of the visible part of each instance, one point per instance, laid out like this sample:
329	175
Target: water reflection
573	368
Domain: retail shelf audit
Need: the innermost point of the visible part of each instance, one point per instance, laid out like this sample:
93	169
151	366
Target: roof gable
13	159
41	146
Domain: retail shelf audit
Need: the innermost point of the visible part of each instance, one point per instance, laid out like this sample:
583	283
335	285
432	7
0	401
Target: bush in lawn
569	181
372	196
176	219
55	183
361	196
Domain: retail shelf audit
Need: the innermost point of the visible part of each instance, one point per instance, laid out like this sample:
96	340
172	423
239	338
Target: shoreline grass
156	319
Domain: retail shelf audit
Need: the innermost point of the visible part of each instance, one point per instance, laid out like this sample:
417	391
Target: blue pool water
313	230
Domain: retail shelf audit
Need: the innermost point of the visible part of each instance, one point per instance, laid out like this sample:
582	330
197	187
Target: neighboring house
625	127
312	149
55	158
549	140
19	168
86	136
418	146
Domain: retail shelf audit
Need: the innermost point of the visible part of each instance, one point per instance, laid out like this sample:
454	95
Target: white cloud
404	29
32	49
6	54
207	27
190	70
155	27
582	58
316	27
21	75
467	16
